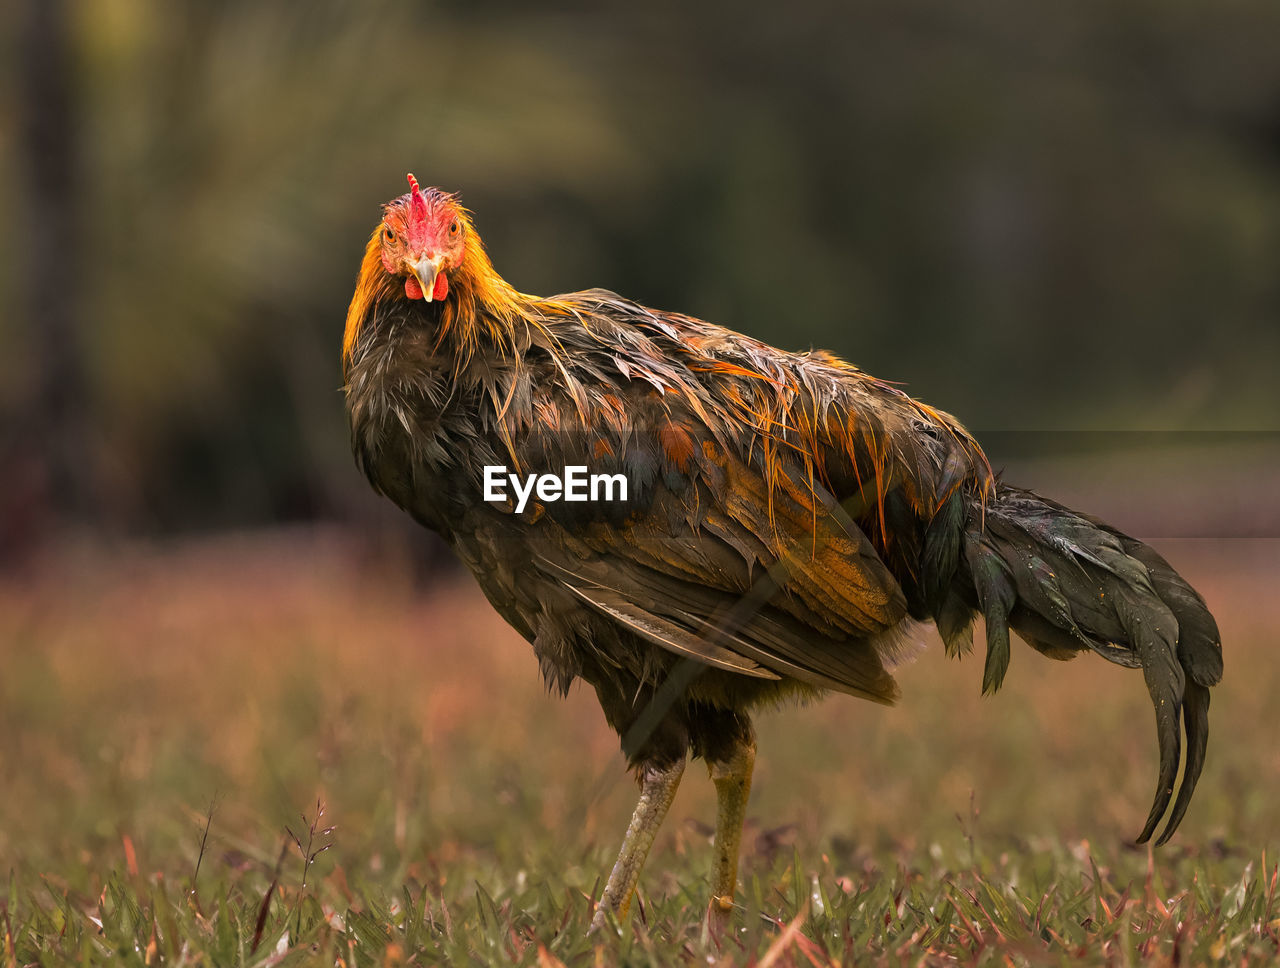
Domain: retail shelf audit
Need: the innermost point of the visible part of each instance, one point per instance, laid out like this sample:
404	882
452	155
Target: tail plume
1066	582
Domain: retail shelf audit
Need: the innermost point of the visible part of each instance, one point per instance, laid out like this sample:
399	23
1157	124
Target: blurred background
1059	222
1040	220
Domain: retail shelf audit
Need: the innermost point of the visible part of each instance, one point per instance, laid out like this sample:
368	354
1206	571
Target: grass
274	751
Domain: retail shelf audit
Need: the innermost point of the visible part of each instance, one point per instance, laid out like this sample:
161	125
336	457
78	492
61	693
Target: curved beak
426	270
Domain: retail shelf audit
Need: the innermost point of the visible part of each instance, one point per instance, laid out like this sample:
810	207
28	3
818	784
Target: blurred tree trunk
55	479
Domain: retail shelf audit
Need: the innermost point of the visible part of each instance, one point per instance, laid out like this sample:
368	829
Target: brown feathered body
787	516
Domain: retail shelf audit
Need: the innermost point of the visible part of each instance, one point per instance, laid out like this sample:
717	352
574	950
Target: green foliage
1038	219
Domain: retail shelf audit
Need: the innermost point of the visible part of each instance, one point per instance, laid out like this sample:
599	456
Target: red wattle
441	288
412	289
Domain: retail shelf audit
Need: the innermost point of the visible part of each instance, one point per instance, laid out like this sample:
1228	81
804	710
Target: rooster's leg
731	774
657	789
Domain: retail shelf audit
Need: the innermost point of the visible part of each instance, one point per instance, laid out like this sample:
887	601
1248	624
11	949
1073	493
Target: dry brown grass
261	672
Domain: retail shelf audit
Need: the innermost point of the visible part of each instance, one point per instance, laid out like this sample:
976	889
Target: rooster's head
424	237
425	249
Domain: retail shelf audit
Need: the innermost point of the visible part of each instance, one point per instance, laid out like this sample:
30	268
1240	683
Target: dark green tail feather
996	597
1195	713
1066	582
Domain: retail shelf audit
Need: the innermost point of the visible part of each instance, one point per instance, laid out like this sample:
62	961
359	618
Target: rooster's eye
453	227
388	234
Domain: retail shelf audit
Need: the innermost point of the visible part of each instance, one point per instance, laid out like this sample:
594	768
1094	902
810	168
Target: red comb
416	199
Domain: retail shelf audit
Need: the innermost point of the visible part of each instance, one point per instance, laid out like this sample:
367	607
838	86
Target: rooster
781	521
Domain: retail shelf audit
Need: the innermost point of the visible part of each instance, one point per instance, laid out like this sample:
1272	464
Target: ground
180	724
